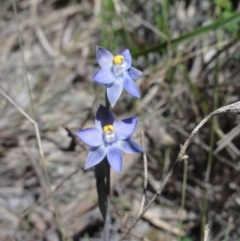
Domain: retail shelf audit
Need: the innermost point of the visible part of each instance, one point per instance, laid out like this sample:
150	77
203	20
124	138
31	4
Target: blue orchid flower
109	138
116	73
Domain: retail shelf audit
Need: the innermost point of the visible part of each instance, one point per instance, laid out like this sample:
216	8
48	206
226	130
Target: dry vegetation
47	55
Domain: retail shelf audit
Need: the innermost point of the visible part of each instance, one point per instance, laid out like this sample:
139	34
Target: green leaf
100	175
234	18
186	239
102	198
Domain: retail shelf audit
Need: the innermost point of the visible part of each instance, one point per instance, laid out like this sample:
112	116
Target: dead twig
145	182
206	232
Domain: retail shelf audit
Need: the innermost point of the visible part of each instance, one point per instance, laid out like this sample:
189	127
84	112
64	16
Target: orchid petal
104	58
127	58
130	86
114	92
125	127
129	146
103	117
134	73
114	157
91	136
95	155
104	76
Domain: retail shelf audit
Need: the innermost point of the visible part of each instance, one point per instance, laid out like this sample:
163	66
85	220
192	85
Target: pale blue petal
103	117
114	157
104	58
129	146
127	58
114	92
95	155
134	73
91	136
125	127
130	86
104	76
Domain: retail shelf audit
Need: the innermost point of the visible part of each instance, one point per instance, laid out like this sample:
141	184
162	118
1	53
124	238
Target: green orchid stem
108	181
108	178
107	221
107	103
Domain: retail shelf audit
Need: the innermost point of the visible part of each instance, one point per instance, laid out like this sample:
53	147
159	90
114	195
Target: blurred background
189	52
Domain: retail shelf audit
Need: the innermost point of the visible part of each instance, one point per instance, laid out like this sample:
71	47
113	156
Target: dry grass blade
30	119
150	217
226	140
145	181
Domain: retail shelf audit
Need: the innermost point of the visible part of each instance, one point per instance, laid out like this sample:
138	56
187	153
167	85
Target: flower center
118	59
118	63
108	133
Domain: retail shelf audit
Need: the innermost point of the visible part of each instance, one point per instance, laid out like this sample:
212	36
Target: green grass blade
235	18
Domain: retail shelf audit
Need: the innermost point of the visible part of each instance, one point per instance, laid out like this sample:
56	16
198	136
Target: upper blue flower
116	72
109	138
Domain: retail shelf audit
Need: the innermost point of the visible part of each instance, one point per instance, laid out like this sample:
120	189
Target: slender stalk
107	221
211	144
107	103
23	60
183	194
108	178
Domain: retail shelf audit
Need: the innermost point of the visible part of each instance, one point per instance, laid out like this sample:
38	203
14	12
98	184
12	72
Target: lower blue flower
109	138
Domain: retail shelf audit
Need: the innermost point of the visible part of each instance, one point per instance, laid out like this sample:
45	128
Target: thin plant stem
23	60
107	221
229	228
211	144
183	194
107	103
108	178
207	178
